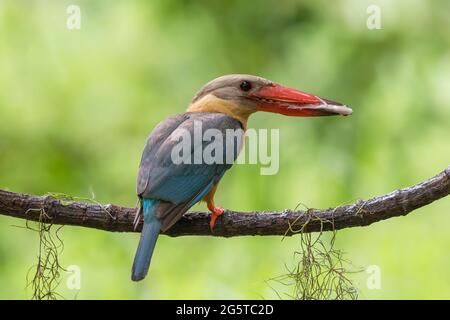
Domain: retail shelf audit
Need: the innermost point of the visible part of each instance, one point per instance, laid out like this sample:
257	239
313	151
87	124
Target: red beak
279	99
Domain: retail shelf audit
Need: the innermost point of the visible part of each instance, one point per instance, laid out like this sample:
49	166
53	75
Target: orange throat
211	103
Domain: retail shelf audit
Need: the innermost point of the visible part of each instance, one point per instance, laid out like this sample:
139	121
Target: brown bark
232	223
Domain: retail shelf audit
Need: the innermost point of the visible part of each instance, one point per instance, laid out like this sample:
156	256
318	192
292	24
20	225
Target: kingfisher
167	189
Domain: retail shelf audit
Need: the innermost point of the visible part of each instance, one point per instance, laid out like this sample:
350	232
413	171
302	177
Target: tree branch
231	223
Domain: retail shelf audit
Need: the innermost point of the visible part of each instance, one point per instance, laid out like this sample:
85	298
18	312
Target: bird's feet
215	212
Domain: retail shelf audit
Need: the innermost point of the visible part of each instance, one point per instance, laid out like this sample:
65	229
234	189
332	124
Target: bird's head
243	95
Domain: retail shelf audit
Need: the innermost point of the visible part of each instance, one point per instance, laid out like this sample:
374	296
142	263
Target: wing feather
181	184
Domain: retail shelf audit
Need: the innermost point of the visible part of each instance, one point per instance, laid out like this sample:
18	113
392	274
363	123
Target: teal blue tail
149	235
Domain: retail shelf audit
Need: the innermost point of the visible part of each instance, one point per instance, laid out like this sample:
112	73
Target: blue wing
180	186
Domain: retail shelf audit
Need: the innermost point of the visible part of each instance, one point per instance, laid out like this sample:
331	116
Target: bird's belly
210	195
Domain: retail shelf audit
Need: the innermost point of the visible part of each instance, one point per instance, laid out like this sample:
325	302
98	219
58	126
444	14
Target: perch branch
231	223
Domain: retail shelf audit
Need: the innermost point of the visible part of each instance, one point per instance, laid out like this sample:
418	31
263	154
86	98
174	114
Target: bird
167	190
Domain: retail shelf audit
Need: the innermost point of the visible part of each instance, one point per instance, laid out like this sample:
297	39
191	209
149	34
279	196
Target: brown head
240	95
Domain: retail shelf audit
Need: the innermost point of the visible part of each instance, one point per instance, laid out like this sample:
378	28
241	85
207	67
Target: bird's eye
245	86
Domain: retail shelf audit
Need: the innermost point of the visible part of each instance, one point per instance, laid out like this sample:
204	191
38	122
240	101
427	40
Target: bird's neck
211	103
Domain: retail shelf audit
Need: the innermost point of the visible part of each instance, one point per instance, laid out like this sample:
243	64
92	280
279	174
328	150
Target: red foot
215	212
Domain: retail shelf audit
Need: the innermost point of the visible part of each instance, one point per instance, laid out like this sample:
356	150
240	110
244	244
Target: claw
215	212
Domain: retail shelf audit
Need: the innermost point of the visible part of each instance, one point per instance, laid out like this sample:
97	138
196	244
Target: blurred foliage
76	107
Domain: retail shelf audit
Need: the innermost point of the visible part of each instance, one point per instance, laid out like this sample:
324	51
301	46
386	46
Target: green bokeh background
77	105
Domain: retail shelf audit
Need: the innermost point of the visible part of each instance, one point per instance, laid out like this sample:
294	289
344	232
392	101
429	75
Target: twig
232	223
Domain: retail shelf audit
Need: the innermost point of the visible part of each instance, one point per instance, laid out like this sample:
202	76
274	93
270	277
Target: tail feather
149	235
